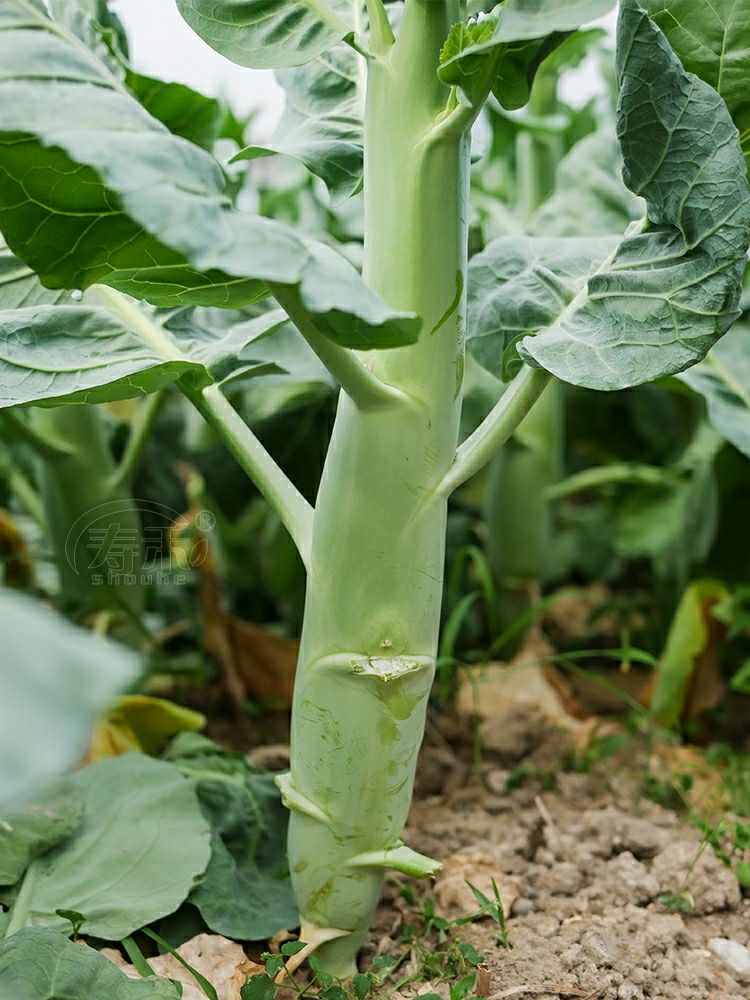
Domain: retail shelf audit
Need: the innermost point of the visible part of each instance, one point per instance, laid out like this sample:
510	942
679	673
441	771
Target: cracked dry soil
580	869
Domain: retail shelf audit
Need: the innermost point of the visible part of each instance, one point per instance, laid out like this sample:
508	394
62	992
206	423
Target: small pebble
734	955
522	906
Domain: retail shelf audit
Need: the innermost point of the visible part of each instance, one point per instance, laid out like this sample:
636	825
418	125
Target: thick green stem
538	153
91	519
374	586
517	511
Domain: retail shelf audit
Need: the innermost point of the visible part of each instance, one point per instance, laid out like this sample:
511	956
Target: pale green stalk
90	517
372	612
374	546
516	509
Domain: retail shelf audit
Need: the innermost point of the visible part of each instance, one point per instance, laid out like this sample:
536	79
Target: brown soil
581	868
581	861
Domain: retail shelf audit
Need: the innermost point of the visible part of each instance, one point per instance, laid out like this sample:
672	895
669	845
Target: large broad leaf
519	284
55	680
40	964
94	189
246	892
245	347
78	354
512	42
713	41
183	110
134	858
671	290
534	18
267	34
59	349
32	829
97	26
723	378
56	348
322	124
590	198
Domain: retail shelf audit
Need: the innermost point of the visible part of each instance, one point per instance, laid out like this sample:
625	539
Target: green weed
428	950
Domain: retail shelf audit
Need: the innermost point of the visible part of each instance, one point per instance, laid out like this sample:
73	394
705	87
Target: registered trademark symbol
205	520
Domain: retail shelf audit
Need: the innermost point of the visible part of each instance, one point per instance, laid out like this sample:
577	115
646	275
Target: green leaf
94	189
134	953
20	287
650	520
74	354
184	111
60	350
464	986
465	62
590	198
689	637
274	965
266	35
322	123
711	40
464	54
97	26
723	379
361	984
246	891
32	829
40	964
292	948
519	66
671	517
510	44
258	987
56	679
470	954
519	284
672	288
242	348
534	18
334	993
136	854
